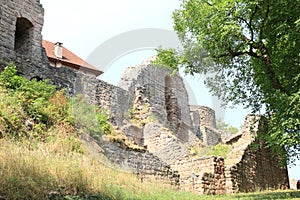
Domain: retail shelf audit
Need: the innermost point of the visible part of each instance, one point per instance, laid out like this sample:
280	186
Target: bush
32	95
33	109
90	118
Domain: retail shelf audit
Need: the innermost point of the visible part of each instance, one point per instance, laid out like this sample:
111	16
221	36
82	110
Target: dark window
23	36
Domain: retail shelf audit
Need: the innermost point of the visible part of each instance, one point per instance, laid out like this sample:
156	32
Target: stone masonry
250	166
21	23
204	122
151	109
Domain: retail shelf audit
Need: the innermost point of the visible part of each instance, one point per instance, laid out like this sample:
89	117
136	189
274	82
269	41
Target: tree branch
250	26
208	3
236	54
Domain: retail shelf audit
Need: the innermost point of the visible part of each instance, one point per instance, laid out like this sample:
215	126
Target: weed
221	150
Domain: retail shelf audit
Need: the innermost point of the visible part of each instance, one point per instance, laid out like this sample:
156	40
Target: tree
251	49
221	125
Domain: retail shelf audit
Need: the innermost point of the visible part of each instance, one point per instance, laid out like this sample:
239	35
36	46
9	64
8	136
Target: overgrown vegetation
33	109
249	52
220	150
43	173
42	157
90	118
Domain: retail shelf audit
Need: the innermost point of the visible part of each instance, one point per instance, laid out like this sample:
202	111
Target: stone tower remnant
21	23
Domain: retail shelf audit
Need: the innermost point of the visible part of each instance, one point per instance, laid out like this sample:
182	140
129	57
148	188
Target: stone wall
211	137
21	23
166	95
250	166
207	116
202	175
259	170
138	161
163	143
204	123
113	99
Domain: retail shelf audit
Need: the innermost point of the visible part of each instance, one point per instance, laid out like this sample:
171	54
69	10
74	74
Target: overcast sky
83	25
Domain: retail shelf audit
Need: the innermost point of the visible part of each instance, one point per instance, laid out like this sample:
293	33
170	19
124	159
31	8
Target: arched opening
172	107
23	36
37	78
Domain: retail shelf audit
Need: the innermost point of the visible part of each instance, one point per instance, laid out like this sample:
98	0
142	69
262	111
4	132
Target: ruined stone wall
250	166
204	123
21	23
202	175
119	156
258	170
206	115
140	162
166	95
111	98
211	137
163	143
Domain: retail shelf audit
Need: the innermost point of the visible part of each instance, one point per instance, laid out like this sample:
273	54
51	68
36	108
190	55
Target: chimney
58	50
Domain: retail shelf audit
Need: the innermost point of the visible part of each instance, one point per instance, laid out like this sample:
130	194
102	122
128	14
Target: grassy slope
48	160
43	172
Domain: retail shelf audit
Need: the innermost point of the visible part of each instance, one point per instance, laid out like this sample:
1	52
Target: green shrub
32	95
31	108
90	118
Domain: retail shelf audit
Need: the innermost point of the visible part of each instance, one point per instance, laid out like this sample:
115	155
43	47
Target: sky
83	26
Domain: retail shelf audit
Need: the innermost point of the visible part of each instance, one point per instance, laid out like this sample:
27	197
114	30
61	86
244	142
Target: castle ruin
151	108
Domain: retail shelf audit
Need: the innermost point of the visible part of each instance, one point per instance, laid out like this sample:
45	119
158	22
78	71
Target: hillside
42	156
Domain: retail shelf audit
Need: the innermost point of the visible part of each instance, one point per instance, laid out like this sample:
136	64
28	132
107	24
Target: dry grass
42	172
37	173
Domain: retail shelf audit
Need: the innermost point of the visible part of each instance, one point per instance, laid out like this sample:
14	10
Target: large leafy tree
251	49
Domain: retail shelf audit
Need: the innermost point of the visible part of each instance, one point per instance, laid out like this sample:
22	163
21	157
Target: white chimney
58	49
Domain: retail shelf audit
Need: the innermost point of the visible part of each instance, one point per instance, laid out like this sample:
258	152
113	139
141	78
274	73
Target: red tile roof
69	59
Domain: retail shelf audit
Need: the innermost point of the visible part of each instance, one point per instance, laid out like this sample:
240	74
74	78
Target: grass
47	160
42	172
221	150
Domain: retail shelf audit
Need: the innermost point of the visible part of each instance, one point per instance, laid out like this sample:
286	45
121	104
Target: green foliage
221	150
90	118
221	125
249	51
33	96
33	112
169	56
30	108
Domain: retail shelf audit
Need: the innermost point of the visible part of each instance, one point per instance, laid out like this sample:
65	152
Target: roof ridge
68	57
